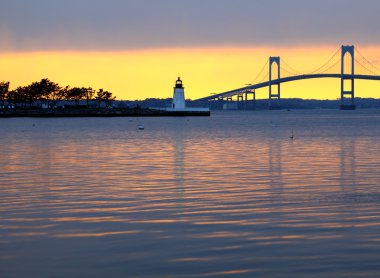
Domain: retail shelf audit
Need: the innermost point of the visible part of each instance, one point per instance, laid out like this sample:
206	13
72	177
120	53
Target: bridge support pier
274	98
347	103
240	101
253	93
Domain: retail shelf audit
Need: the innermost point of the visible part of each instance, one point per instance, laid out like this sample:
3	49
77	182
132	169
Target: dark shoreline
75	113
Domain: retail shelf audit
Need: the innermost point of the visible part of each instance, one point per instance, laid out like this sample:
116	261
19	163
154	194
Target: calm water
229	195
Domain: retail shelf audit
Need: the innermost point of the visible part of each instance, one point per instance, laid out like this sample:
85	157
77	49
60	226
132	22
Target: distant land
291	103
46	94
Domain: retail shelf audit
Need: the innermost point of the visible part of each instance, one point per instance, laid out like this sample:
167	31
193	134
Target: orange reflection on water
230	188
96	234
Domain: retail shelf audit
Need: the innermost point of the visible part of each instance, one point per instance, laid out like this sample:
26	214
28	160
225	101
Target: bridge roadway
284	80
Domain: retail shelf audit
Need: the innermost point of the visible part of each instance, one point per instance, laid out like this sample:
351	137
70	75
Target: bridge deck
284	80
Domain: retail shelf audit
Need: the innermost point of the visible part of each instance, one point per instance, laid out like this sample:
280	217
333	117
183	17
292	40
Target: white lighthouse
178	106
179	96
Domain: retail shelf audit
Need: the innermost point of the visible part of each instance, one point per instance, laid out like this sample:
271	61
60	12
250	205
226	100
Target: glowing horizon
150	73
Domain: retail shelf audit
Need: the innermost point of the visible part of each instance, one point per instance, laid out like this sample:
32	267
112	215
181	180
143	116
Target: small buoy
141	127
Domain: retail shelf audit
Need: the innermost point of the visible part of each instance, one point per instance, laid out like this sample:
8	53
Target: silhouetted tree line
50	94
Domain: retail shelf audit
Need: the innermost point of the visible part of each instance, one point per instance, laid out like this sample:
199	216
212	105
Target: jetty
101	112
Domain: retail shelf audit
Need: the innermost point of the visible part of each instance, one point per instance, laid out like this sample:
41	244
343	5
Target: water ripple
229	195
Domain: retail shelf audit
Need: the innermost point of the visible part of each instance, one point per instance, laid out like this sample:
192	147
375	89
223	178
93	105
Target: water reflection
179	155
348	162
228	195
275	163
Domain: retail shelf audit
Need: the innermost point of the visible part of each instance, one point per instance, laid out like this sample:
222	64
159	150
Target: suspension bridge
347	64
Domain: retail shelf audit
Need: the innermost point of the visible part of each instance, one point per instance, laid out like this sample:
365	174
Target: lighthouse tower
179	95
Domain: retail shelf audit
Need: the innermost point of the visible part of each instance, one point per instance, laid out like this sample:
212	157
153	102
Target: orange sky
151	73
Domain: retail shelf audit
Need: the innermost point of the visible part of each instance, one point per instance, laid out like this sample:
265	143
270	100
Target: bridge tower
347	103
274	98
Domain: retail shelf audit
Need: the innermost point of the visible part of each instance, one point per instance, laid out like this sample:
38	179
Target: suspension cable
292	70
322	69
363	66
365	59
261	72
326	63
330	67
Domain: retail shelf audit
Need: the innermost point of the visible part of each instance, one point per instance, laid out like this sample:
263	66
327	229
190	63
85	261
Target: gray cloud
131	24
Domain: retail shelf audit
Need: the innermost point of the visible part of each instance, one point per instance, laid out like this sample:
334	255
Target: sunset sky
137	48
